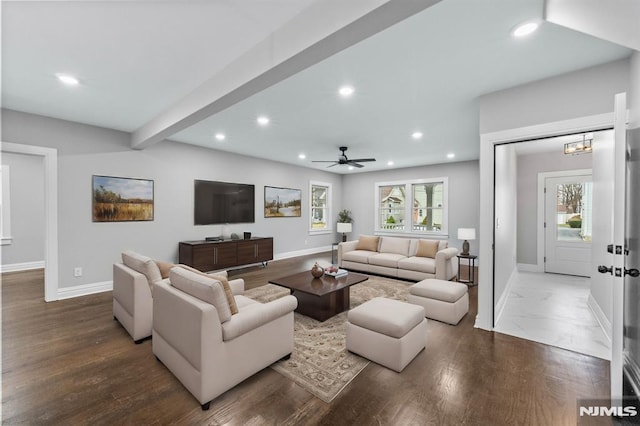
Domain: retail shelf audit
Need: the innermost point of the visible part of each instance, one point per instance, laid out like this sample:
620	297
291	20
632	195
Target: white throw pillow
202	287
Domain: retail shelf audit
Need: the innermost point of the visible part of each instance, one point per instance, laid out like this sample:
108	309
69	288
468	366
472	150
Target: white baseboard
305	252
26	266
529	267
505	294
605	324
84	290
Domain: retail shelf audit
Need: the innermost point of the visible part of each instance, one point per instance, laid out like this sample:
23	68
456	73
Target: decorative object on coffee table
466	234
317	271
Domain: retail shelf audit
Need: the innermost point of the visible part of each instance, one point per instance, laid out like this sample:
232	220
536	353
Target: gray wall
27	209
86	150
528	168
578	94
505	217
464	197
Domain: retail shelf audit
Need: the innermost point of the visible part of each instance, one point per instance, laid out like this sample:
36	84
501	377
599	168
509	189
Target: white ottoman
387	331
445	301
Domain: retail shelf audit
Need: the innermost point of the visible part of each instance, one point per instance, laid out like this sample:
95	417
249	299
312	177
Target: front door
568	224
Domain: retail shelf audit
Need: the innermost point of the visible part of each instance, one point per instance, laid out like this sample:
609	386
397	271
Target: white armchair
204	346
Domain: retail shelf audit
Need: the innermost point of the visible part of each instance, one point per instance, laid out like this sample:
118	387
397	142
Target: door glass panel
574	219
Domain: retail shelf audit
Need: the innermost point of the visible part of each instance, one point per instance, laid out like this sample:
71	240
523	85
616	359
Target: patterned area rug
320	361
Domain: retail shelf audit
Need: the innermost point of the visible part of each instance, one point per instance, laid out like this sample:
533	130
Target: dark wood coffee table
320	298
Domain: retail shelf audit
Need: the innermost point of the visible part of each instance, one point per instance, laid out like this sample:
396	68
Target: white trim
84	290
540	234
5	193
528	267
605	324
290	254
484	319
25	266
50	209
502	302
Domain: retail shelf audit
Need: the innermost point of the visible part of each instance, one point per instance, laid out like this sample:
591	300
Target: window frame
408	208
328	208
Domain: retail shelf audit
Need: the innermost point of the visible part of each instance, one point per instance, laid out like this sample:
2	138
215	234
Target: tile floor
552	309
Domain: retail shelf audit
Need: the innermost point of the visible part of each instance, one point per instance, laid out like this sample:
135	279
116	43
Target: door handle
632	272
603	269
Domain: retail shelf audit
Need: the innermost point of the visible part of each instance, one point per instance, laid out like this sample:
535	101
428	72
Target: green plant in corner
344	216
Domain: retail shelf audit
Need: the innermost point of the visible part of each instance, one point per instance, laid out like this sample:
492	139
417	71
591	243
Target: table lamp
344	228
466	234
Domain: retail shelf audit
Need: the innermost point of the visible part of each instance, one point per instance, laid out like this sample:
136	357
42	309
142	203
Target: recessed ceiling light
263	121
525	29
390	163
67	79
351	167
346	91
451	155
416	135
220	136
302	156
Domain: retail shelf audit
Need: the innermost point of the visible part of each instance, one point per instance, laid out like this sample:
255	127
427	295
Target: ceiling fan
342	159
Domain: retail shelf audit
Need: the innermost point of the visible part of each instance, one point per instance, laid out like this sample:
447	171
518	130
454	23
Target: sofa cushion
222	277
367	242
427	248
418	264
445	291
202	287
142	264
359	256
389	260
395	245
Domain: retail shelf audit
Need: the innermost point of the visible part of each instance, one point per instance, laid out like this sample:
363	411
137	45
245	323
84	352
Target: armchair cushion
164	268
142	264
202	287
257	315
222	277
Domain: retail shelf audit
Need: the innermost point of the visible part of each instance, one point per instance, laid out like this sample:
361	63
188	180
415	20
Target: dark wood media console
213	255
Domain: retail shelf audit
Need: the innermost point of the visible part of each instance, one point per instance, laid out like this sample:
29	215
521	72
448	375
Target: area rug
320	362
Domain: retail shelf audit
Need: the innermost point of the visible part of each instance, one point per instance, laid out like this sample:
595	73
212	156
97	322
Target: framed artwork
118	199
282	202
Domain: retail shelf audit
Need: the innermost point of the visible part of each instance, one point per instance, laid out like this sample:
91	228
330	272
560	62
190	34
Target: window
412	207
320	207
5	210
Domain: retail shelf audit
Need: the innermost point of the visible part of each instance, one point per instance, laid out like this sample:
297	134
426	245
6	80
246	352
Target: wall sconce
580	147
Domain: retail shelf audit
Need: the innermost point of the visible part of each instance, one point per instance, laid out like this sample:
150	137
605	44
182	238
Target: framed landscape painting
282	202
118	199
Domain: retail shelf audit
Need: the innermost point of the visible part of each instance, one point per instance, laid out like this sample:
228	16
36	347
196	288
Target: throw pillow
427	248
222	277
202	287
164	268
142	264
366	242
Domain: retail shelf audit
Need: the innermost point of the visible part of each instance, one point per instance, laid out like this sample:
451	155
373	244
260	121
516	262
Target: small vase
317	271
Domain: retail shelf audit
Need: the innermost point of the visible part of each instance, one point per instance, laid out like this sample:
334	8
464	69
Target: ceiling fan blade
354	164
362	160
334	164
323	161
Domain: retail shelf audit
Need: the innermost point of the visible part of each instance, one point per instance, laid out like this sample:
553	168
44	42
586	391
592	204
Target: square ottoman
387	331
445	301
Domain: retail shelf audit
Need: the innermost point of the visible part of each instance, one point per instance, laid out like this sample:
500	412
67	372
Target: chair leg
205	406
286	357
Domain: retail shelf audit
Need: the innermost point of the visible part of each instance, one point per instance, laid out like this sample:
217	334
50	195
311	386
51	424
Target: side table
334	251
471	265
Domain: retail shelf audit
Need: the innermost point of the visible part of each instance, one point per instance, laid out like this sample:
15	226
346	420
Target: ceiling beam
320	31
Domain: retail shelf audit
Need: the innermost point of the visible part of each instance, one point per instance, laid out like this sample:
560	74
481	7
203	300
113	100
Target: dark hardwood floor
69	362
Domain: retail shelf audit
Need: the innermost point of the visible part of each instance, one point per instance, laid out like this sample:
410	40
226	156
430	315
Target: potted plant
344	223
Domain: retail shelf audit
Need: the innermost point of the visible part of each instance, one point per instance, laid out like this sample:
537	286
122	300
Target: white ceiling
138	59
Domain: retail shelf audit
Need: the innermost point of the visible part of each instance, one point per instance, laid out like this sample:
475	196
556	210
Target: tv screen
223	202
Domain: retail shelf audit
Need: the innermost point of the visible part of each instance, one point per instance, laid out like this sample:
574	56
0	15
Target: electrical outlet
77	272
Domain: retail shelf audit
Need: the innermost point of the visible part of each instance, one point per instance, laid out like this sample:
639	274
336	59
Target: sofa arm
247	320
446	266
237	286
345	247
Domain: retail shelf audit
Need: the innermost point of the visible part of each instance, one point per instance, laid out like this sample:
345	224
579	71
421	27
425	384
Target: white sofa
209	349
133	282
408	258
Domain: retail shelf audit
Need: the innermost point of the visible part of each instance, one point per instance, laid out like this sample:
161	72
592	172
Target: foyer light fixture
579	147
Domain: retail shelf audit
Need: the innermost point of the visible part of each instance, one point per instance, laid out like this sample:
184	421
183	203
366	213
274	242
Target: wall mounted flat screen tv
223	202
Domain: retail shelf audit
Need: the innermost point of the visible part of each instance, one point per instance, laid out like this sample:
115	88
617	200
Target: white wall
86	150
506	196
358	196
529	166
27	210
